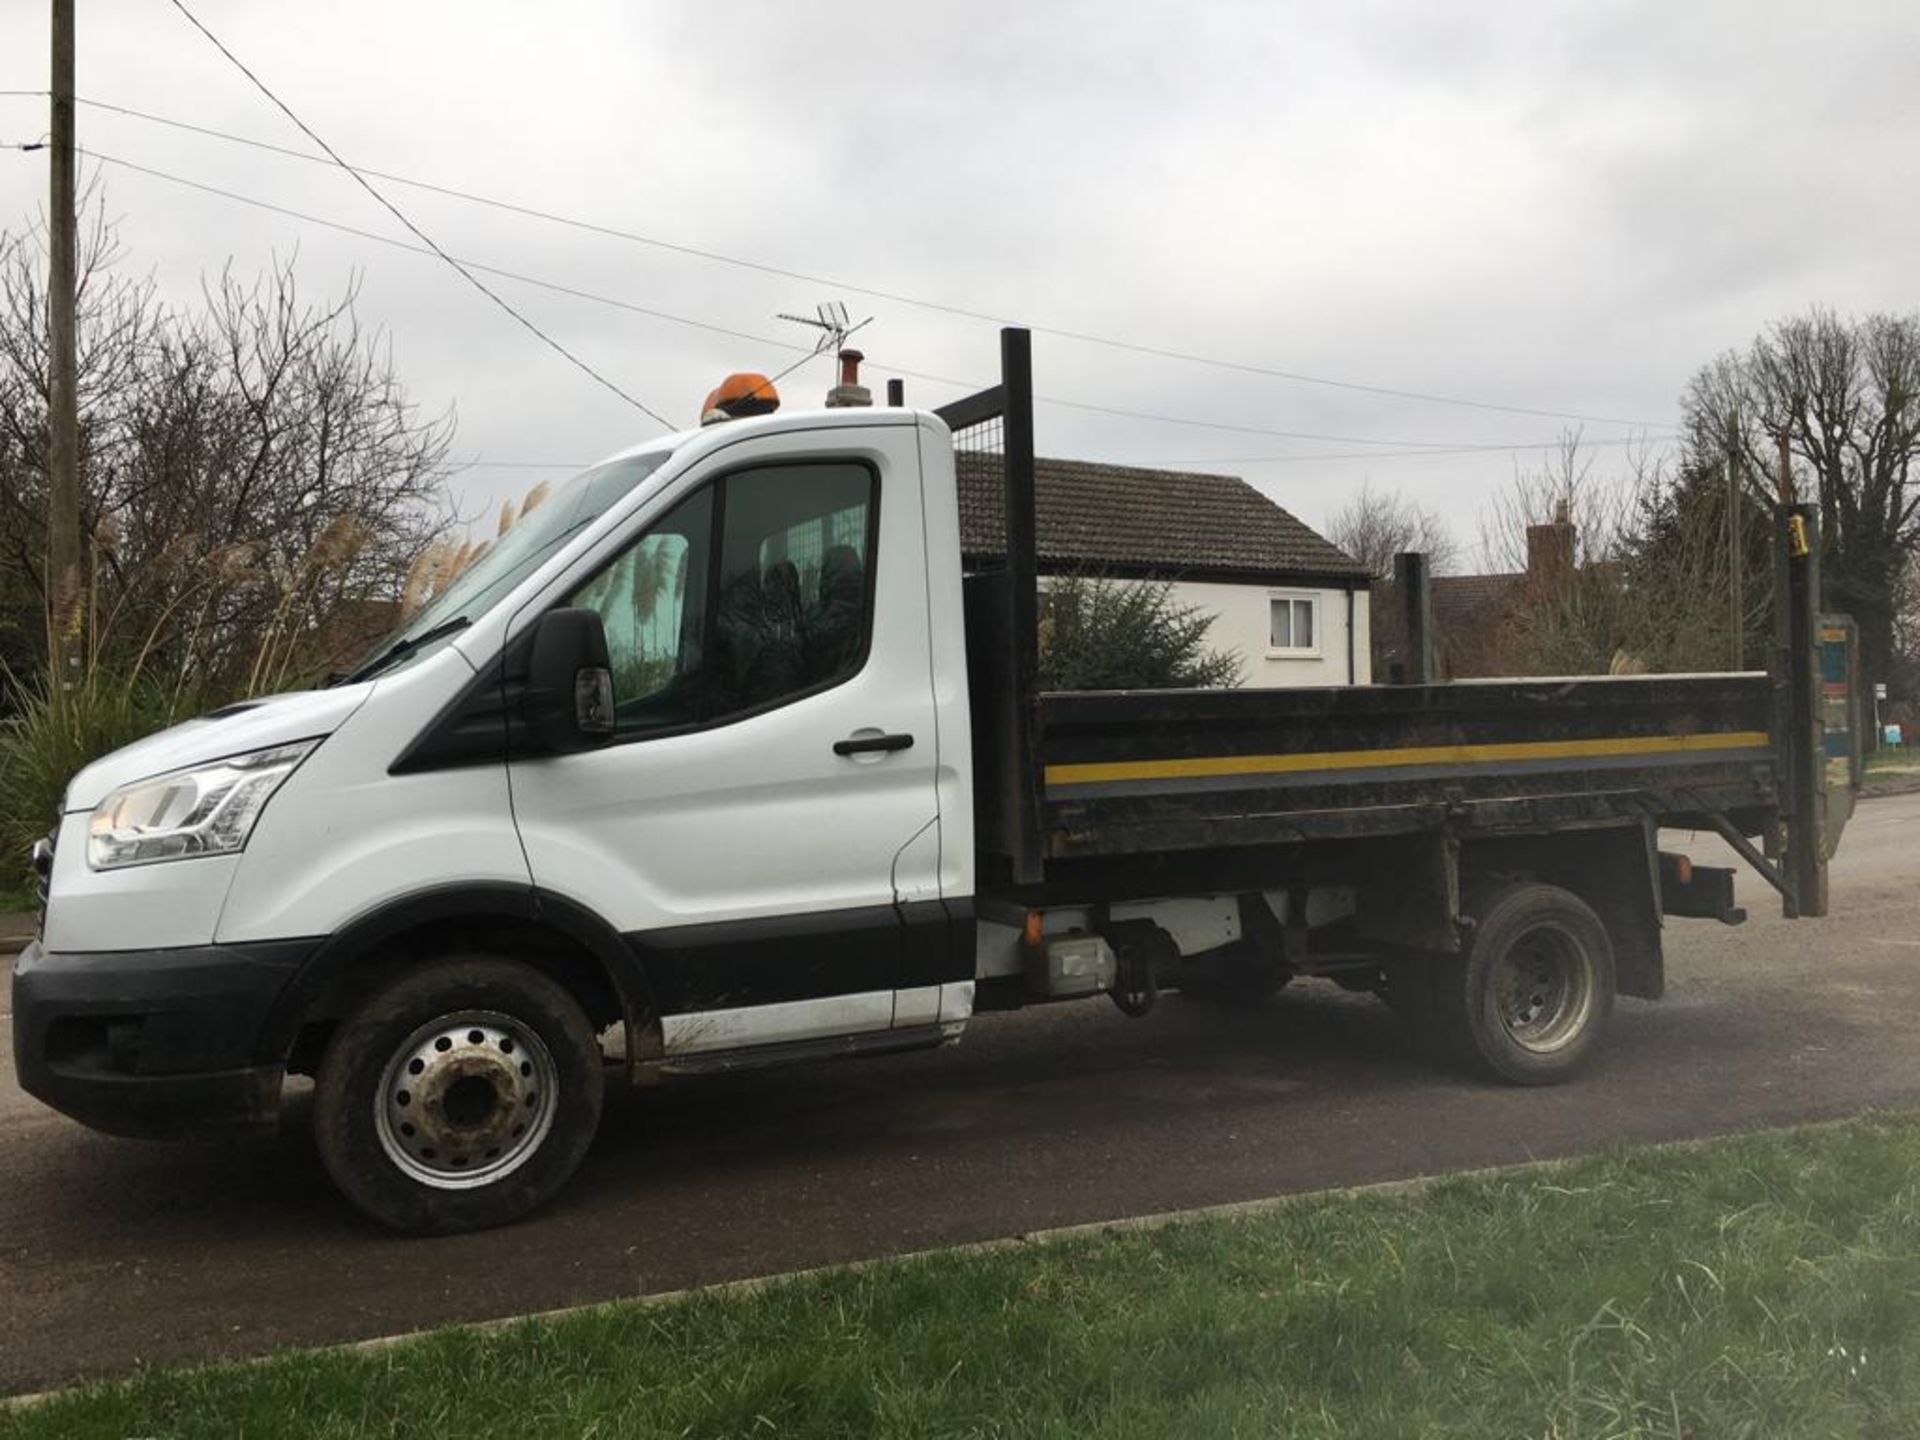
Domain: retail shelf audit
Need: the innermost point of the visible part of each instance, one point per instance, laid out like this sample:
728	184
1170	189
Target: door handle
872	744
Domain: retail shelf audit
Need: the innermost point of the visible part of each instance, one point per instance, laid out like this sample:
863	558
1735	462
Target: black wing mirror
569	704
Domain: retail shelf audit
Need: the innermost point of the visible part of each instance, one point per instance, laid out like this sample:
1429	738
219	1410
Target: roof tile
1171	521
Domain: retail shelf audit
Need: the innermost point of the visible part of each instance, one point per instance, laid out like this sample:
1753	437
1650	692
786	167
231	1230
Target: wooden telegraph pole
63	449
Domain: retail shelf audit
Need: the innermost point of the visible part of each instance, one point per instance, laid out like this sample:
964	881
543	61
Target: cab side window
652	601
752	592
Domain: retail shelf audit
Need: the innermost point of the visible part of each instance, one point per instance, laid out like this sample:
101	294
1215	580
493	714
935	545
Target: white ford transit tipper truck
719	753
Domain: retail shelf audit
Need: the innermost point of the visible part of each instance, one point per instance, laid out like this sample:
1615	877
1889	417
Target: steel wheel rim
466	1099
1543	989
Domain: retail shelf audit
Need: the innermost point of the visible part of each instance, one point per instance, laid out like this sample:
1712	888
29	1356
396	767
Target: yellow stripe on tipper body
1212	767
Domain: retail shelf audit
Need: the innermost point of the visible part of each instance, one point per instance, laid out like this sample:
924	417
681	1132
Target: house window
1293	627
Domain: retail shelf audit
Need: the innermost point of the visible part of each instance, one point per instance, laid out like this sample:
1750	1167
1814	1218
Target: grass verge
1766	1285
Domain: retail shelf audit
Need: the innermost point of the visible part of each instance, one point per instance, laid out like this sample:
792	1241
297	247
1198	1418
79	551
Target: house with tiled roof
1475	617
1292	604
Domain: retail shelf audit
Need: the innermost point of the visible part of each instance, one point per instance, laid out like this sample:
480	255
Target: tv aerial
830	321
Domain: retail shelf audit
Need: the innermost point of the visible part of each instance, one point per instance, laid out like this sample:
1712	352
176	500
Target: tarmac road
117	1252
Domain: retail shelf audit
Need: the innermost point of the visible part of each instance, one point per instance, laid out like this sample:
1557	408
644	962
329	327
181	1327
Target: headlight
209	810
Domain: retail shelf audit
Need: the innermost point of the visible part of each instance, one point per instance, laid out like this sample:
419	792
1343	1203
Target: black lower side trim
938	944
152	1042
763	962
782	958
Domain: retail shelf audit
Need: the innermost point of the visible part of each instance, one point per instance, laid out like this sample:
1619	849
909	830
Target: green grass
1762	1286
1904	758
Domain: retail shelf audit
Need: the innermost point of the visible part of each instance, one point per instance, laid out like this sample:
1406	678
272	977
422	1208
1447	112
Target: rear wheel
1528	999
459	1095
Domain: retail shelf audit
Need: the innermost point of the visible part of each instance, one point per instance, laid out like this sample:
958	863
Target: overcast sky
1555	207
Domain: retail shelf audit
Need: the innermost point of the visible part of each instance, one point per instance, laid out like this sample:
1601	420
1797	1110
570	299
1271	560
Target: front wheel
1530	996
461	1094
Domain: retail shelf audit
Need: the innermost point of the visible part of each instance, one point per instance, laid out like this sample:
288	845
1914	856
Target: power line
651	313
1584	444
424	238
1403	447
896	297
397	244
1168	464
26	146
877	363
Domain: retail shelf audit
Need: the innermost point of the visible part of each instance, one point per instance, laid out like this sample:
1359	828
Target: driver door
768	796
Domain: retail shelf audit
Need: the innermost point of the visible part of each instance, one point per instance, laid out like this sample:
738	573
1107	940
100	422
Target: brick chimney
1550	548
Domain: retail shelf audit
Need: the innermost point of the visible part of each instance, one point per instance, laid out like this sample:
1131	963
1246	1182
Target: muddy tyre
459	1095
1528	999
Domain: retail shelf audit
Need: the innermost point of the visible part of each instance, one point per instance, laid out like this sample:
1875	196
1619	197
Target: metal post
1023	566
63	424
1803	751
1414	584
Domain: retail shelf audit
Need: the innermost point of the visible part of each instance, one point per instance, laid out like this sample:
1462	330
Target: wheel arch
556	935
1615	870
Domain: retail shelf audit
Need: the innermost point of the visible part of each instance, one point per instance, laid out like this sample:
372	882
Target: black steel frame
1009	651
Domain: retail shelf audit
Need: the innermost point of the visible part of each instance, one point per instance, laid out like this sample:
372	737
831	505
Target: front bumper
163	1044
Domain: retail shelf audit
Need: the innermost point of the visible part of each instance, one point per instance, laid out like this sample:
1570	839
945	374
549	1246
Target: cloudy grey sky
1550	206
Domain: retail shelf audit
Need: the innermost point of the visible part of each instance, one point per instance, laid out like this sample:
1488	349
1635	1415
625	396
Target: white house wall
1240	623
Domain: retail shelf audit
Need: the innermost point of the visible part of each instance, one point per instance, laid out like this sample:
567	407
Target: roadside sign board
1838	647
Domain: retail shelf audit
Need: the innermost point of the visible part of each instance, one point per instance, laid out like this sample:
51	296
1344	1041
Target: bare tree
1564	532
255	483
1904	675
1376	525
1642	580
1564	488
1845	395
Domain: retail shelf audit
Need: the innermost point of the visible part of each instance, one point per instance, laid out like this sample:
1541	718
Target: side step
833	1047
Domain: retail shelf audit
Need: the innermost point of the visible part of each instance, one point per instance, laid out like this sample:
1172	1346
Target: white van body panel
178	902
276	720
139	907
947	659
344	837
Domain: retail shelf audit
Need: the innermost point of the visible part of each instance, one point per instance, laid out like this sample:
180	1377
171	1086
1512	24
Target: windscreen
514	556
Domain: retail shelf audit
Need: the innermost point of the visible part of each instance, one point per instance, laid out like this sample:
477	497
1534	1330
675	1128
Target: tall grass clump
50	738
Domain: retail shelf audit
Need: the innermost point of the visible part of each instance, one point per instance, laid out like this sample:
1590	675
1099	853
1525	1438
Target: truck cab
753	836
